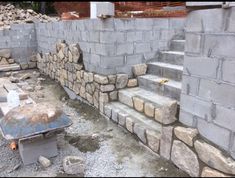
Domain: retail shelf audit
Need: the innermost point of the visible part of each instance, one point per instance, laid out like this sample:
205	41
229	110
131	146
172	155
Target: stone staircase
154	104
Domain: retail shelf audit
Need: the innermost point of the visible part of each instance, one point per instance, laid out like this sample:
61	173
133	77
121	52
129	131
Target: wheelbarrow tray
13	128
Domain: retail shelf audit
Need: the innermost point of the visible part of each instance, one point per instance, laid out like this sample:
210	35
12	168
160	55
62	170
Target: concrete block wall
21	39
208	88
111	46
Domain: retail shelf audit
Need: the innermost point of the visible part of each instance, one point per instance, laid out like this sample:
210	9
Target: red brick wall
84	7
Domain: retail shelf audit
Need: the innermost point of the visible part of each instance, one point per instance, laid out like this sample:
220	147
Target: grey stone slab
30	151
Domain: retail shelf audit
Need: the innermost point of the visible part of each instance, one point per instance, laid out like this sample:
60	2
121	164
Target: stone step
153	83
10	67
172	57
166	70
177	45
134	122
159	108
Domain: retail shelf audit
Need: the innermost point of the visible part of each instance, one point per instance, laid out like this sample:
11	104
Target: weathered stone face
153	140
129	124
208	172
184	158
5	53
132	82
165	144
107	88
186	134
139	69
140	132
121	81
149	109
214	157
138	104
73	165
101	79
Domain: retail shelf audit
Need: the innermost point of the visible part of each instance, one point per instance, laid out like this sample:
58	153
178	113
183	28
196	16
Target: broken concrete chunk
73	165
44	161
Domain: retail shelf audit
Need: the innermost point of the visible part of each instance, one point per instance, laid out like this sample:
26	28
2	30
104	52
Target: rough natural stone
129	124
61	54
121	81
101	79
73	165
166	141
214	158
70	56
149	109
5	53
153	140
138	104
89	98
113	95
3	61
107	88
166	114
83	92
140	132
104	98
208	172
132	82
44	161
122	119
108	111
184	158
25	76
112	79
11	61
139	69
186	134
90	77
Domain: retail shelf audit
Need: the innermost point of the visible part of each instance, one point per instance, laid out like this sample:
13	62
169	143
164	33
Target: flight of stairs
145	109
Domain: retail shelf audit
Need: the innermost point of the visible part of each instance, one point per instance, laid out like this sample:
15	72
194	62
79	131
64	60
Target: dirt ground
108	150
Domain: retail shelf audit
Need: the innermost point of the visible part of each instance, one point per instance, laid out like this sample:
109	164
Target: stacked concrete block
21	40
114	45
207	99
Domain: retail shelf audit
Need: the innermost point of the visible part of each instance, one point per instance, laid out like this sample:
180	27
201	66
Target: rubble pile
11	15
5	57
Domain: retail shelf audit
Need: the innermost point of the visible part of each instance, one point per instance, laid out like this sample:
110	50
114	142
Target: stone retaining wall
208	88
113	45
21	40
66	66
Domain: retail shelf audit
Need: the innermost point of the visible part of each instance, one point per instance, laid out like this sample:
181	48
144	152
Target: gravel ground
108	150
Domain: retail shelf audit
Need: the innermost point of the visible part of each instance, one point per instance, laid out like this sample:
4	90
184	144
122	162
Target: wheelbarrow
34	128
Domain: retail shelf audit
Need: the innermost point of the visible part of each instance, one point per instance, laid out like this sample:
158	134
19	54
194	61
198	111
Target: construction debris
11	15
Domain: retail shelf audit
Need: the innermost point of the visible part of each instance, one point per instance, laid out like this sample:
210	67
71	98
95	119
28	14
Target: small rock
25	76
38	87
36	74
29	88
186	134
14	79
73	165
44	161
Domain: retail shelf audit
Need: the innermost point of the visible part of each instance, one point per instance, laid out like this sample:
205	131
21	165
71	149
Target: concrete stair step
133	121
177	45
159	108
154	83
166	70
10	67
171	57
